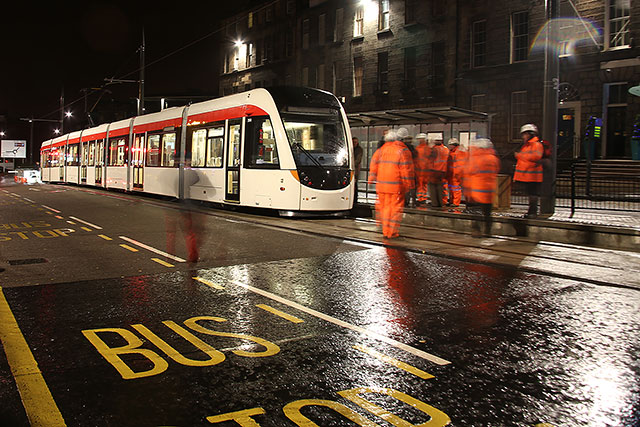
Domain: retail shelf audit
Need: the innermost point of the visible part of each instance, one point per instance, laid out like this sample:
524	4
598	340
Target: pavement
594	228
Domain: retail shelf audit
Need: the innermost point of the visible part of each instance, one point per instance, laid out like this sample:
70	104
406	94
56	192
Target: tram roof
425	115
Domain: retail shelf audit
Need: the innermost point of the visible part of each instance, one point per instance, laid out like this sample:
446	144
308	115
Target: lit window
383	18
358	74
519	36
618	22
168	150
358	22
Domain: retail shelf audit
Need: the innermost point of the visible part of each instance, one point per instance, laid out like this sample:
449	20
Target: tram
286	148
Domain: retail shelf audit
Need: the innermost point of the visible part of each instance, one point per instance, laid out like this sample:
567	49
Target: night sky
48	46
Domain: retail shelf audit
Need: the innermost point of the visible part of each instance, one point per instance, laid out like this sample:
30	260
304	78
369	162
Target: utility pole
141	82
550	105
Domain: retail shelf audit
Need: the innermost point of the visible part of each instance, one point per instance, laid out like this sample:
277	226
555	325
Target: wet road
275	328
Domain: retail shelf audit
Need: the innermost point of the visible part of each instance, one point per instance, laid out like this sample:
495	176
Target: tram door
99	161
232	188
84	156
63	162
137	161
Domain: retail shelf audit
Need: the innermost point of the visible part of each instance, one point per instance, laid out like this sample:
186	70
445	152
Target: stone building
478	55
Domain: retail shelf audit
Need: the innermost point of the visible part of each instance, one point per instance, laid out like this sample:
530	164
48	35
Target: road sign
15	149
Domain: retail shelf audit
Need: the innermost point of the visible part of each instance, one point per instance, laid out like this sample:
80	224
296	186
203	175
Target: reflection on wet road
257	341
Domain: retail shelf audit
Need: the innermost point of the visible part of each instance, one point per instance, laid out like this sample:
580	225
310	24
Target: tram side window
169	150
117	151
72	155
260	144
215	142
92	149
153	150
198	148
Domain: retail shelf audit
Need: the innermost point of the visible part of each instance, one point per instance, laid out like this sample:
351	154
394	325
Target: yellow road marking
208	283
282	314
159	261
397	363
86	228
59	217
70	222
36	397
129	248
105	237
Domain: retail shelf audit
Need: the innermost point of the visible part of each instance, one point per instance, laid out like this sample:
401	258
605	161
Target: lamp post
550	105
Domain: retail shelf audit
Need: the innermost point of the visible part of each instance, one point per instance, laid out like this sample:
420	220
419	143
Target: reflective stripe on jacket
480	174
440	156
391	168
527	167
421	162
455	164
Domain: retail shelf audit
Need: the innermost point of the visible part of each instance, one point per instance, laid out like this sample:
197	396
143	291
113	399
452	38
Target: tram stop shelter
436	122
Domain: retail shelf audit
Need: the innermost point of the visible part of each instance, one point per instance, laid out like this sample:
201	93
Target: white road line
29	200
152	249
51	209
423	354
97	227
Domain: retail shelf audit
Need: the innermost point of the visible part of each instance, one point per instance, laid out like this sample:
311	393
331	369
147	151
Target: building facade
479	55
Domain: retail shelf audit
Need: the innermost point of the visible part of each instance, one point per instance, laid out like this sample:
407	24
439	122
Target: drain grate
26	261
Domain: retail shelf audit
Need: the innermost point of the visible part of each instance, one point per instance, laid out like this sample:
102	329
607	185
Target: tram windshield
317	139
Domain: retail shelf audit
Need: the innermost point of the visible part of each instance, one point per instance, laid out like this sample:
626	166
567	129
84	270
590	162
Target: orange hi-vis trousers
389	208
455	191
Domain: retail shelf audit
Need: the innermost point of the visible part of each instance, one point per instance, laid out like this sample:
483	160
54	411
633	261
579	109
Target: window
215	142
479	44
358	22
618	22
519	36
249	55
437	66
92	149
615	96
337	28
305	34
117	149
478	103
169	150
383	73
260	144
383	15
518	113
320	76
410	69
322	31
409	11
358	74
153	150
250	20
233	155
72	155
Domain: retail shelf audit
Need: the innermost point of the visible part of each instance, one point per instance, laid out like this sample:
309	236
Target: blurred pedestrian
357	160
455	165
439	156
392	171
383	139
403	135
479	180
528	166
422	168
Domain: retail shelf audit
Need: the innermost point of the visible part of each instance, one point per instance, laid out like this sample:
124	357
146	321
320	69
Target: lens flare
570	33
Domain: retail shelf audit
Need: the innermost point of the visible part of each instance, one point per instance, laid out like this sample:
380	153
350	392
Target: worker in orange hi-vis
392	171
455	164
439	156
422	168
479	179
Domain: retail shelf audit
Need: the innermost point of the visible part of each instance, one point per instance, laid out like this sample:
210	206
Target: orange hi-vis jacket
527	167
421	162
440	156
480	174
391	168
455	164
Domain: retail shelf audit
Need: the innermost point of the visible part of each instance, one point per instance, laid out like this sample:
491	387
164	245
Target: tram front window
317	139
319	146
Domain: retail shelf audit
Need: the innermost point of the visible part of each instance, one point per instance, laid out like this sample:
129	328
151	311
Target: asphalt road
108	318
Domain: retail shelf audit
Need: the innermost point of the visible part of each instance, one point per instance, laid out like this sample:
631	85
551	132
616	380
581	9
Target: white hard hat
453	141
421	136
482	143
391	135
529	127
402	133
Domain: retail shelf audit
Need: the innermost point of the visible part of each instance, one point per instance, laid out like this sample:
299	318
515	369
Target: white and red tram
279	148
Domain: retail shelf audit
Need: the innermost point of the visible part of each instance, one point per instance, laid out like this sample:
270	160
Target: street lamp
68	114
